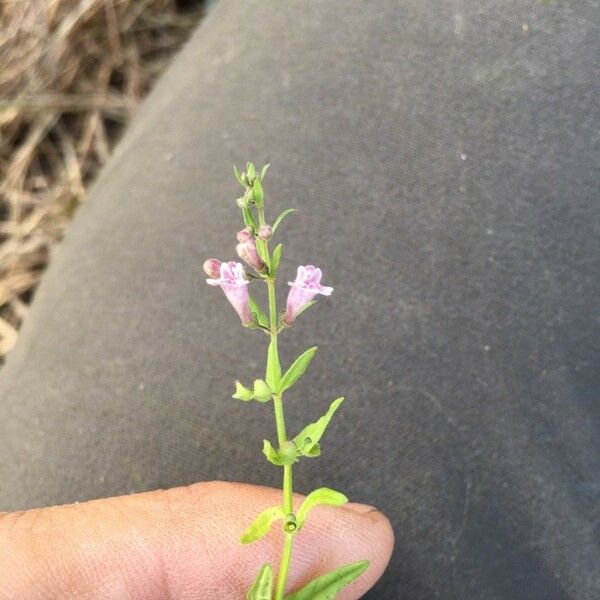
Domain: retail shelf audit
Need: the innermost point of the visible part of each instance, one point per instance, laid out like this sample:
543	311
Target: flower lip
231	275
308	277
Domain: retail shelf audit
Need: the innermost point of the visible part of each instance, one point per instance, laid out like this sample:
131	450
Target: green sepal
258	313
259	194
262	524
283	324
242	392
326	587
285	455
297	368
262	588
307	441
282	215
325	496
262	392
263	171
271	454
261	248
276	259
273	375
250	171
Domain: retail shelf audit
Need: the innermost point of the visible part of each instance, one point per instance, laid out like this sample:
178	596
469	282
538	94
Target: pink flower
246	250
306	286
235	286
265	232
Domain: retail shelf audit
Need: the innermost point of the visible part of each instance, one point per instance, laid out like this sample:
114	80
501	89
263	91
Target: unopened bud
212	267
242	202
265	232
244	235
242	392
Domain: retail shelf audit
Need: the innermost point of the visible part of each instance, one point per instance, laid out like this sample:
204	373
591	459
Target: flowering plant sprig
234	280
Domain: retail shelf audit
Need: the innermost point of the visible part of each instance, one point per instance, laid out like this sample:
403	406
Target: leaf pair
263	522
306	443
325	587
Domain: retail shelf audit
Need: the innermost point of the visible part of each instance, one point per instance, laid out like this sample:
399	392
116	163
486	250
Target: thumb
178	544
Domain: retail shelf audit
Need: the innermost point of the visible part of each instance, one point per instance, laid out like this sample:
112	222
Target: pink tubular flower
235	286
246	250
306	286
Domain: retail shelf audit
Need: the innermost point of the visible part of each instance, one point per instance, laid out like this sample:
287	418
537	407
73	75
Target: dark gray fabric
443	156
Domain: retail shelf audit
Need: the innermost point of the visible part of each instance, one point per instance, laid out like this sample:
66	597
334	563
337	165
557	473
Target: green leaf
281	217
262	392
276	259
263	252
271	454
249	220
321	496
307	441
259	194
262	588
250	170
258	312
262	524
273	375
242	392
297	369
326	587
264	171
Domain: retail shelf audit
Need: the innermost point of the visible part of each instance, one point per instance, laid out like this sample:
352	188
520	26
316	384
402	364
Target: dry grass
71	74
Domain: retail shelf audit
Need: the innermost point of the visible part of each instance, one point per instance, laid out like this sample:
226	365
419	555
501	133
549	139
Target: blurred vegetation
71	75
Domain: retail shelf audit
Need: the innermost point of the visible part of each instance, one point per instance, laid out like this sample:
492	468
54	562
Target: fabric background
444	160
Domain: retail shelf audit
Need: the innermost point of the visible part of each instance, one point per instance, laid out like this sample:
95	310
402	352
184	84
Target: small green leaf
258	312
297	369
273	375
249	220
276	259
326	587
259	194
262	588
242	392
263	252
321	496
262	392
271	454
250	170
264	171
281	217
307	441
262	524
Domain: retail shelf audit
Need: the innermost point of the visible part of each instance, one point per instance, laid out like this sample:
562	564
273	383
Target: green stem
288	505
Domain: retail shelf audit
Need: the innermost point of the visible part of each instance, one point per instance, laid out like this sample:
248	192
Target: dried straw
71	74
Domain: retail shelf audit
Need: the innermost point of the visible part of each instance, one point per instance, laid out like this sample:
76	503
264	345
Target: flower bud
246	250
212	267
242	202
265	232
244	235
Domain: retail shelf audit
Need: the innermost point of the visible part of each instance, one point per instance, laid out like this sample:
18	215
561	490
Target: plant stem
288	505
